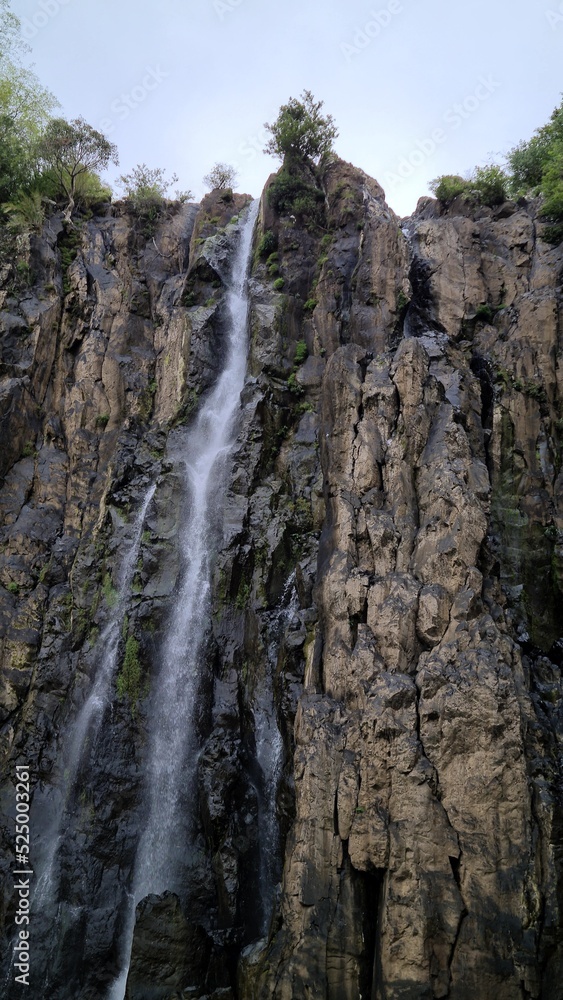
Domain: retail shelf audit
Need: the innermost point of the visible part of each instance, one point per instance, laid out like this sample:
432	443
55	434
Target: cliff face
386	599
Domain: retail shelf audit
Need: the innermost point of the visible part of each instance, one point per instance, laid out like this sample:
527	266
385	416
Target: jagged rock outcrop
398	470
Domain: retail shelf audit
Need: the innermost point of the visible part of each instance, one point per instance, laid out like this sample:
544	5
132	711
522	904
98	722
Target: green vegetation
402	300
293	385
243	596
534	167
147	186
487	185
129	677
300	132
222	176
267	245
109	591
13	588
292	194
301	352
309	305
102	420
278	284
69	150
46	162
484	313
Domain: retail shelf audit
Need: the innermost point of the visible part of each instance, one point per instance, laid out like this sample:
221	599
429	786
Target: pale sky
418	88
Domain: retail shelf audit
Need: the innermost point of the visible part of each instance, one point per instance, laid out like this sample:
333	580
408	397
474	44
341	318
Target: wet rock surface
387	596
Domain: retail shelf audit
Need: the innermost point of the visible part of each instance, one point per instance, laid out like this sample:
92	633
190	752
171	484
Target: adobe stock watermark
378	20
453	119
46	9
121	107
224	7
555	17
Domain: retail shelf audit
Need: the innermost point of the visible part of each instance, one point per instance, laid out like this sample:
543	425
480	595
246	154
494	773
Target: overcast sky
418	88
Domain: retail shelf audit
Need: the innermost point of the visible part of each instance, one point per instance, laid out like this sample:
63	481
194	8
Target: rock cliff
386	599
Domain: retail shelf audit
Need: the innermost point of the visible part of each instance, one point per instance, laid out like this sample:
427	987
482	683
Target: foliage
25	213
301	352
491	184
109	591
530	160
25	107
129	677
69	244
70	149
220	177
484	313
289	193
448	187
488	185
11	43
293	385
278	284
537	168
146	186
267	245
301	132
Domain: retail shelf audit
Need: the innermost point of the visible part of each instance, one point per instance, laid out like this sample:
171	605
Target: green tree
490	183
71	149
11	42
146	186
529	160
301	132
447	187
537	167
25	107
220	177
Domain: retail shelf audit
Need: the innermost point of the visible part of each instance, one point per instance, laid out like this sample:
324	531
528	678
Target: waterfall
83	731
86	726
270	751
172	754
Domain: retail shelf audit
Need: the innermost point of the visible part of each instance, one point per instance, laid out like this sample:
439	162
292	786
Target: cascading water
83	731
270	752
172	755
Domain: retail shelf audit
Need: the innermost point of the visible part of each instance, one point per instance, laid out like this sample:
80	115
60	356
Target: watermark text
22	876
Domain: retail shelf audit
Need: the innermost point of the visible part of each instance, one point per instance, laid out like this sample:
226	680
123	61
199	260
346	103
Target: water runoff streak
85	727
165	844
270	751
82	732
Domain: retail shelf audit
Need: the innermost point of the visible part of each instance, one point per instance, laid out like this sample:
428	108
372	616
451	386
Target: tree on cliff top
71	149
300	132
220	177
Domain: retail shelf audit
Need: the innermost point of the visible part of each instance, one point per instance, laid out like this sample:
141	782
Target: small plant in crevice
402	300
185	411
267	245
109	592
129	677
301	352
484	313
278	284
293	385
243	596
69	242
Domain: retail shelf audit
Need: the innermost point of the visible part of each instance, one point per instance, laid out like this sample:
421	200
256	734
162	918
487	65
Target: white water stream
86	726
172	753
270	752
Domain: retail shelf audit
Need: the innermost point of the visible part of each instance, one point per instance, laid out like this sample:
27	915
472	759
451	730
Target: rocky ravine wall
408	472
